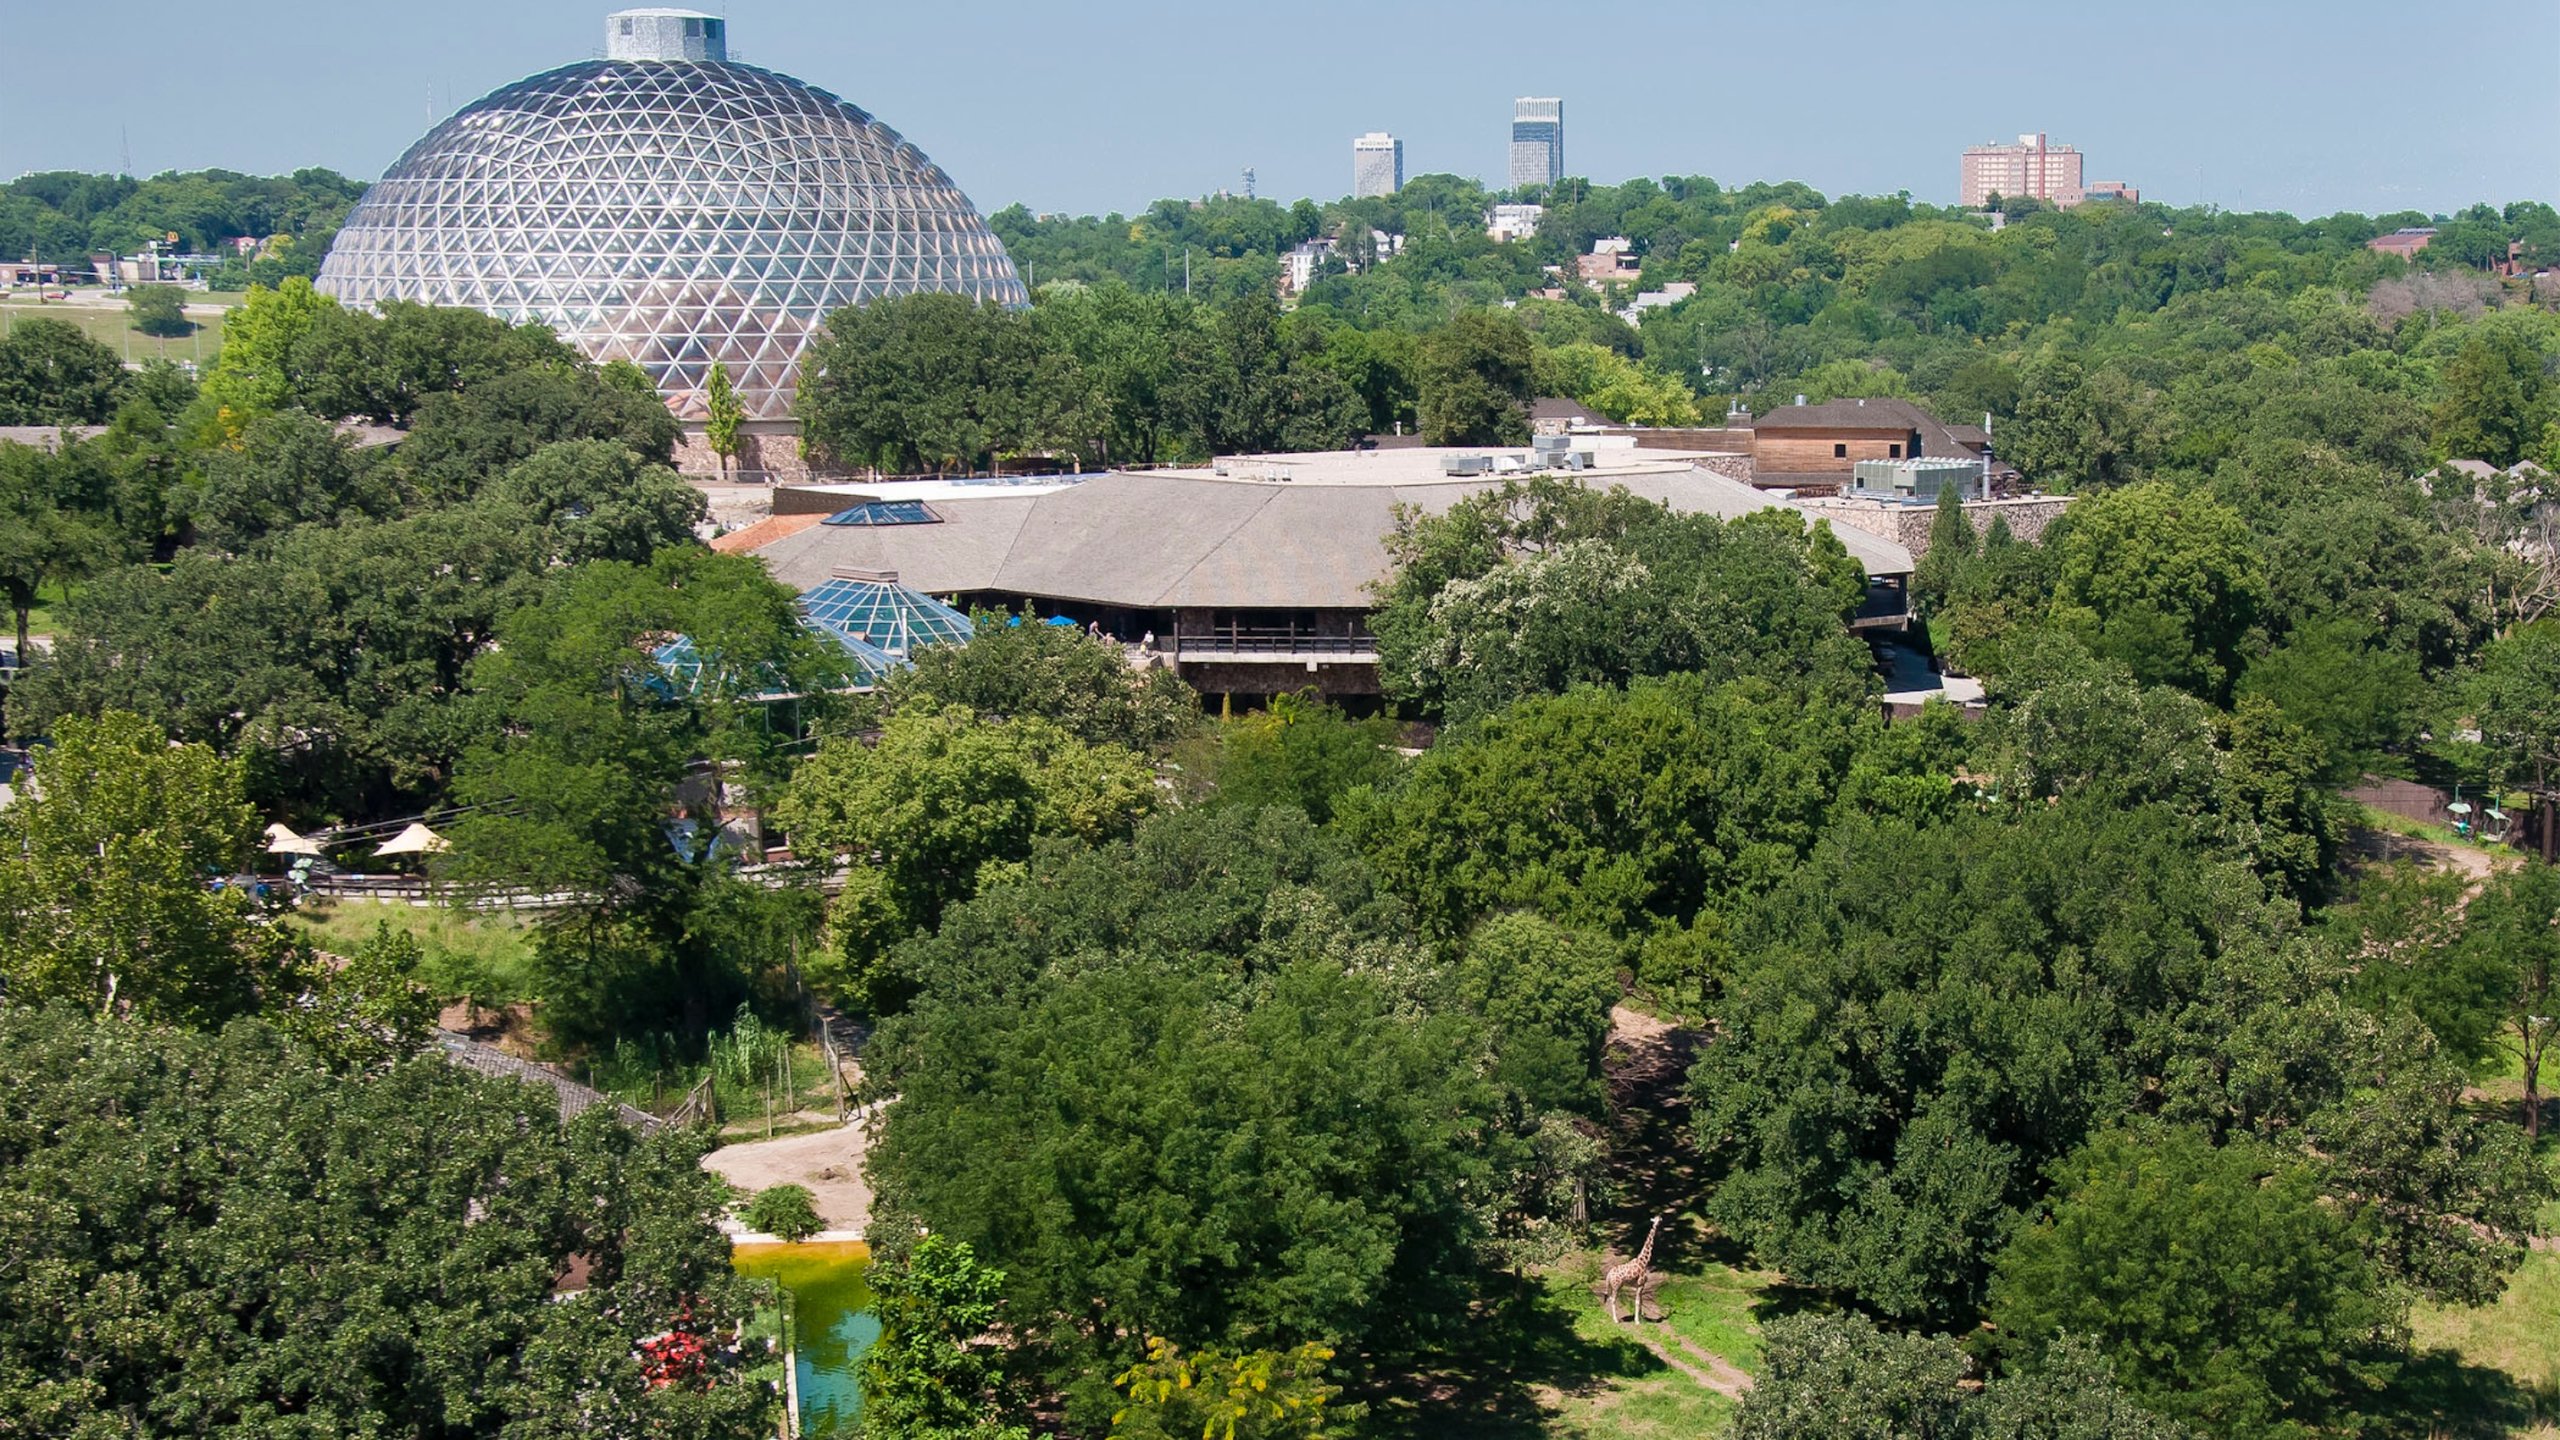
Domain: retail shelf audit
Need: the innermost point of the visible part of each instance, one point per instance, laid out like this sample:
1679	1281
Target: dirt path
829	1163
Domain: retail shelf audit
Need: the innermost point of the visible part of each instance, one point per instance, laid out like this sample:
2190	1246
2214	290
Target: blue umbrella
1059	620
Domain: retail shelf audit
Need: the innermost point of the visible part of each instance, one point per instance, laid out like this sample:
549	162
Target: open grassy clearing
112	326
485	959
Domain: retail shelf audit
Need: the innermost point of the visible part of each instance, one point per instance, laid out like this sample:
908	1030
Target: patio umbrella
1059	620
416	840
282	841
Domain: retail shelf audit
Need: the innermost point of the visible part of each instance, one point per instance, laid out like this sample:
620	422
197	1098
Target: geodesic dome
672	211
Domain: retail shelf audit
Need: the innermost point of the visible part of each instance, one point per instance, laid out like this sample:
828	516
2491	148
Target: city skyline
2315	144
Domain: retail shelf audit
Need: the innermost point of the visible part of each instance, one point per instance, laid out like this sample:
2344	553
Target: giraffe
1637	1272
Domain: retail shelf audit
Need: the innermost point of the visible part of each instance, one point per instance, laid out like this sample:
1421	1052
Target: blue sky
1107	104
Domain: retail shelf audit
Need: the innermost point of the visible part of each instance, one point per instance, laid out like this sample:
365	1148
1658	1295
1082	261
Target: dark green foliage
1228	890
1838	1376
52	373
1476	382
1300	752
1617	812
2214	1277
460	438
1921	1019
159	310
355	637
788	1211
1535	587
1151	1151
288	469
2165	583
216	1233
926	1377
2512	944
63	216
1019	669
2497	397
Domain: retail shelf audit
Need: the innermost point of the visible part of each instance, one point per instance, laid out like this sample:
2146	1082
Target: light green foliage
255	374
1839	1376
928	1377
1301	751
943	801
1220	1395
1016	668
53	374
2223	1289
159	310
2163	581
104	867
2514	699
364	1009
1476	375
1535	587
1613	385
206	1224
720	429
43	541
2356	697
788	1211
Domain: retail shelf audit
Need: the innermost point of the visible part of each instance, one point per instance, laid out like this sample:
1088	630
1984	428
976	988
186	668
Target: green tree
104	865
2165	581
1945	567
1302	752
159	310
2215	1278
41	542
1475	379
785	1210
2492	407
941	803
720	431
160	1182
1016	668
52	373
2514	698
2514	935
1157	1150
1532	588
927	1377
1838	1375
1218	1395
286	469
258	371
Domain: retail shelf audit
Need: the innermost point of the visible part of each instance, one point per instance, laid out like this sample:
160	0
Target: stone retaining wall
1908	525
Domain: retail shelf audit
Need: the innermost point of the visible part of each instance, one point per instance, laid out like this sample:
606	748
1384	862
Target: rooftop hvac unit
1550	446
1466	464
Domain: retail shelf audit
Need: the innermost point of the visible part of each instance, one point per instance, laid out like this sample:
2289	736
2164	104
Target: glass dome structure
670	207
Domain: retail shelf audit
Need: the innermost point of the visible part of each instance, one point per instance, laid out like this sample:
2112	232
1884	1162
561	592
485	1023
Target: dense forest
2080	1068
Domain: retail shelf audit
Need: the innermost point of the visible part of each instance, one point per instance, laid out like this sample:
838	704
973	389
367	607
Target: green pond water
831	1303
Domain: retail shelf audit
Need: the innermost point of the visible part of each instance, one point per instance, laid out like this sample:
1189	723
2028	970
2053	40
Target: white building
1377	165
1514	222
1537	141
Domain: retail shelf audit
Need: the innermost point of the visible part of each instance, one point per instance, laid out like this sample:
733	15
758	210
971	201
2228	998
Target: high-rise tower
1537	142
1377	165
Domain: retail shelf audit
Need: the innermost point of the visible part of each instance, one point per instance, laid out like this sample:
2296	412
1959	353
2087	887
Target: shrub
785	1210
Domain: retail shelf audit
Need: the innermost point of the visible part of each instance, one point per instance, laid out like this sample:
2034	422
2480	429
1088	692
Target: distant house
1614	258
2404	243
1818	447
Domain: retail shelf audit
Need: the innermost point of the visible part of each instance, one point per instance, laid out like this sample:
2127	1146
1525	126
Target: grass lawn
112	326
1543	1359
2371	819
40	619
2494	1372
484	957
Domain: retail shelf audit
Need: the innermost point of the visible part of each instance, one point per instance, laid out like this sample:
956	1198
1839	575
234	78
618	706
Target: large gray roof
1154	540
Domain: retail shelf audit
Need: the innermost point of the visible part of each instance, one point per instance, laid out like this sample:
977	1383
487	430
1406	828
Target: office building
1537	142
669	206
1377	165
2032	169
